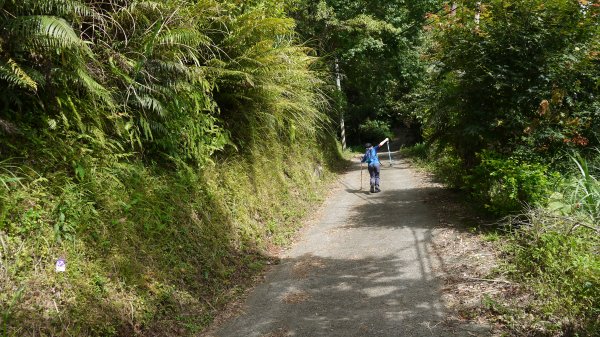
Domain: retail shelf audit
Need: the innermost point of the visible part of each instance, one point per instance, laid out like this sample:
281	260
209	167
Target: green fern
46	33
12	73
43	7
94	88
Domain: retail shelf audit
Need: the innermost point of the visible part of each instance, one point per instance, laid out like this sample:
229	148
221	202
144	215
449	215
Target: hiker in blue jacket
374	166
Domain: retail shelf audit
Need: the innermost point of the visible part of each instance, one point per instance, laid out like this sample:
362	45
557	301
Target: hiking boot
377	190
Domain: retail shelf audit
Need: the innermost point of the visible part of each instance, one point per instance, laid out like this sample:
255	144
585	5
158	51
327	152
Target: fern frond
144	6
188	38
49	33
255	24
149	103
158	127
54	7
95	88
145	129
12	73
227	75
175	70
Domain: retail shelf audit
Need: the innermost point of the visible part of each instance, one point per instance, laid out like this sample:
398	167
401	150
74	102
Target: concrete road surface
364	269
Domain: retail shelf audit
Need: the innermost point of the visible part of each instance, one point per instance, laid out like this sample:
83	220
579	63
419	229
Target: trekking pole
361	169
389	153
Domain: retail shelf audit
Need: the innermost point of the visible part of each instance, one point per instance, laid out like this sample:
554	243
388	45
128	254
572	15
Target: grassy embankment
149	250
159	148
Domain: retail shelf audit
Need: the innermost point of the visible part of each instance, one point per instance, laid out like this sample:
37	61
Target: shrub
508	82
560	263
374	131
507	183
418	151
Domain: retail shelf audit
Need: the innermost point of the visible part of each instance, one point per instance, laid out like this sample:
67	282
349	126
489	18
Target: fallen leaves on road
296	297
306	265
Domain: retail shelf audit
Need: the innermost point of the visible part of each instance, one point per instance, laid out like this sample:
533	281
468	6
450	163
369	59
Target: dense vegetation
511	114
158	147
375	46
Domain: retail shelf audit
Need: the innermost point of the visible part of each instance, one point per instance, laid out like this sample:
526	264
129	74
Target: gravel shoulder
385	264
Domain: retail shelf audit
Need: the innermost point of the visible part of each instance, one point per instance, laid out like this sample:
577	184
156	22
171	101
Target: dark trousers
374	169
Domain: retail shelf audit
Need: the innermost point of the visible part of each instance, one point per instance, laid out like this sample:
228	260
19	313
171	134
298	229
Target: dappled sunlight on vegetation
510	115
163	148
159	148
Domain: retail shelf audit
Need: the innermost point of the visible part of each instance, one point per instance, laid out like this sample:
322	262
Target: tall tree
524	79
374	42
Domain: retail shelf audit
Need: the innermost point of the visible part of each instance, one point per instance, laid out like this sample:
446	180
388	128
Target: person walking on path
373	163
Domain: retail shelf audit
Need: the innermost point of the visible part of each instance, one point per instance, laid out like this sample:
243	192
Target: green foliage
506	184
579	194
157	146
444	163
553	250
511	88
523	79
587	191
129	74
267	76
144	244
560	262
374	131
506	96
374	43
419	152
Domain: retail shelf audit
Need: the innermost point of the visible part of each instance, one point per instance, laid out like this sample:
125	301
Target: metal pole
389	153
338	81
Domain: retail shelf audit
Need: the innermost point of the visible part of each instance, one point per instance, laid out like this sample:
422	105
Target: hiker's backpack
371	156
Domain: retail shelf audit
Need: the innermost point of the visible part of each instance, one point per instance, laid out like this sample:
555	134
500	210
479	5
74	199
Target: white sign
61	265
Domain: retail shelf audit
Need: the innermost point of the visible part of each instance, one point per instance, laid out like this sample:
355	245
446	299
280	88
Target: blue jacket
370	156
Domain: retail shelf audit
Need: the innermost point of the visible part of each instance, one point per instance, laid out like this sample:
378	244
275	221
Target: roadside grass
552	251
418	152
555	252
442	163
556	264
149	249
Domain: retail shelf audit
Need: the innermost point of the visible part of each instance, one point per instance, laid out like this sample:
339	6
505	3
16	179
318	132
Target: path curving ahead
365	268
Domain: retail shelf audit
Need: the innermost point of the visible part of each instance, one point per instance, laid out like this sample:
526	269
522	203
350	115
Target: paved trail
364	269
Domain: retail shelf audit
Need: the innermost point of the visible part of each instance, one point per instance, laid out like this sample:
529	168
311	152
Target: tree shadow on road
390	289
360	291
320	296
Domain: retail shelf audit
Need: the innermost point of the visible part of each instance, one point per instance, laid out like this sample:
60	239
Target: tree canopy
523	80
375	44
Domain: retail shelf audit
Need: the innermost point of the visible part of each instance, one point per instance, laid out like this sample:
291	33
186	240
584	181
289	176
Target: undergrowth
558	260
159	148
555	252
149	250
550	247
